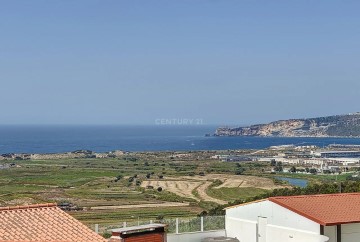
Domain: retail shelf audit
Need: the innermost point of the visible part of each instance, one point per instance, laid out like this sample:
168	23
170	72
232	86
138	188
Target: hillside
331	126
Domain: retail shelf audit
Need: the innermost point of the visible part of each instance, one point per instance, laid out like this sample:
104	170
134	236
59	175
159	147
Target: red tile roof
325	209
42	222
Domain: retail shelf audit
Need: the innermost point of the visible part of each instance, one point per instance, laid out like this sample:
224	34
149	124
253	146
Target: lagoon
294	181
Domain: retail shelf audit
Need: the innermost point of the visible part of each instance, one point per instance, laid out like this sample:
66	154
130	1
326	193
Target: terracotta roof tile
42	222
325	209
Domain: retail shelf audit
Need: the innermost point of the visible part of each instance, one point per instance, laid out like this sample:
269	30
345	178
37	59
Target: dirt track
247	181
184	186
203	195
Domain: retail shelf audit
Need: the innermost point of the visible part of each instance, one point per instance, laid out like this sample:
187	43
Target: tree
160	217
239	171
313	171
293	169
203	213
119	177
273	162
278	167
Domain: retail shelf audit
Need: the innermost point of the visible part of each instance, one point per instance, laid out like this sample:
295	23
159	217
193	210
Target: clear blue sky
226	62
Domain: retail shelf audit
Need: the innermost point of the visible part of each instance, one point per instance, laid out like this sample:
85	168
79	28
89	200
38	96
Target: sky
135	62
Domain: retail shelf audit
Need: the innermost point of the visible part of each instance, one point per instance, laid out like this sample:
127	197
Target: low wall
246	231
194	237
243	230
277	233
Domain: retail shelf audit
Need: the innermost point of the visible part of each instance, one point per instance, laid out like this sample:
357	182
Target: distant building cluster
332	159
336	154
232	158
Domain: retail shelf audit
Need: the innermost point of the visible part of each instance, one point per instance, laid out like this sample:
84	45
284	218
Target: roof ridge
247	203
316	207
41	205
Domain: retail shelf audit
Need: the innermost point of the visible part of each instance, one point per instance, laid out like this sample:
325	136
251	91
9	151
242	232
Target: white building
307	218
335	154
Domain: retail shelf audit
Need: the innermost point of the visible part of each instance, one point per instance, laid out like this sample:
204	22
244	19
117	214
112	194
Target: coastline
297	136
104	139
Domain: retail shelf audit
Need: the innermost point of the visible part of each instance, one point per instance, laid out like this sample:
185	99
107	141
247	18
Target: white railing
174	225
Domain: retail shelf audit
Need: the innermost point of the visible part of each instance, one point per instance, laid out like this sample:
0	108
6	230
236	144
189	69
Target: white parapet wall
246	231
277	233
243	230
195	236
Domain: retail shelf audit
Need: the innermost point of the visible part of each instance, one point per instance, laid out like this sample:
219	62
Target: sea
58	139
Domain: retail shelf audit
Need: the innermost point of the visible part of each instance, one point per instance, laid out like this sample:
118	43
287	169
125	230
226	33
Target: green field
118	215
89	183
92	182
235	193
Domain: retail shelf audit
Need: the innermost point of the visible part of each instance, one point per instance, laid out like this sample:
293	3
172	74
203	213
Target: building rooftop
43	222
325	209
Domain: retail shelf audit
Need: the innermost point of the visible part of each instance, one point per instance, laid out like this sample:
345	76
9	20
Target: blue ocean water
54	139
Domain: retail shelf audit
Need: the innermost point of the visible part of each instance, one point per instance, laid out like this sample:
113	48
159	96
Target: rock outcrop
331	126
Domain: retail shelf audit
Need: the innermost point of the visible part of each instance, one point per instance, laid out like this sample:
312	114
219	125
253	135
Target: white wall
194	237
286	234
276	215
235	229
350	232
246	231
330	231
282	224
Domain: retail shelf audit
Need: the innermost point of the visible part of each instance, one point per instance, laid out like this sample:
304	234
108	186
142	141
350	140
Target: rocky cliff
332	126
